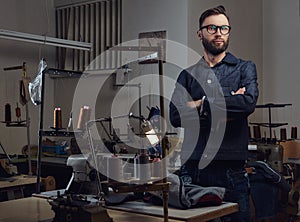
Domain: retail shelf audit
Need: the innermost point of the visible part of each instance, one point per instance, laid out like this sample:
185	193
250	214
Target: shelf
57	133
59	73
272	125
272	105
61	133
53	74
21	123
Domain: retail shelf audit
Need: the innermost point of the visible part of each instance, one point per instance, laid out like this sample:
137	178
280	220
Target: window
97	22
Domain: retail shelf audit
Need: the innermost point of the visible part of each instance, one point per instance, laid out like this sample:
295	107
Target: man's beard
212	49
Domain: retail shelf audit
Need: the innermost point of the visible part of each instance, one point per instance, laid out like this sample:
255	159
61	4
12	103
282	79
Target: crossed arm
198	103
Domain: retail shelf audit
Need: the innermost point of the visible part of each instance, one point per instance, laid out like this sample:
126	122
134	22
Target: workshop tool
77	208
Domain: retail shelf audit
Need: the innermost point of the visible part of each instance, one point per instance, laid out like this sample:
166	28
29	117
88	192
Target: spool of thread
49	183
283	134
130	133
57	119
144	167
114	168
18	112
157	167
7	113
256	132
84	117
135	170
249	132
294	132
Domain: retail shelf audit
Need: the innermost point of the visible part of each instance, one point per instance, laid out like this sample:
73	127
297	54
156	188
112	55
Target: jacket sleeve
242	105
180	114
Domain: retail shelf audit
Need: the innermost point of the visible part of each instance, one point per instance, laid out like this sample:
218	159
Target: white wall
144	16
281	76
35	17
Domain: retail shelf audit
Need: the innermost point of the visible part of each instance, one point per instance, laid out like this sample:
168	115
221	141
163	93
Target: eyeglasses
212	29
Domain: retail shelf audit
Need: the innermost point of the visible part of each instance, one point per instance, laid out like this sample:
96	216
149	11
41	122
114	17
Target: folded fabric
181	195
112	198
186	196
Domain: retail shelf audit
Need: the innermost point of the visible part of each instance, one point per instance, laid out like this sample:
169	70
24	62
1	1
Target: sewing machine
78	203
84	176
272	154
77	208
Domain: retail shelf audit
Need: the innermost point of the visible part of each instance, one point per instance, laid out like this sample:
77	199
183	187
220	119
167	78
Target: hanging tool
23	84
18	113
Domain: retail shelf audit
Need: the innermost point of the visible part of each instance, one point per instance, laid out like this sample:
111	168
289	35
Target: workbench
34	209
198	214
142	210
12	184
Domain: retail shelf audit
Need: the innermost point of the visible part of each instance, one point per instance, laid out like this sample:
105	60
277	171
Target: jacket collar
230	59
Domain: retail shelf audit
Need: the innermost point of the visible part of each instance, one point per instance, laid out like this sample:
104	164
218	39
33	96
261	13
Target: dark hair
212	11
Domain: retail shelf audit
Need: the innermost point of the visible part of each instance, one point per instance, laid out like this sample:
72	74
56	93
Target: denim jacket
219	129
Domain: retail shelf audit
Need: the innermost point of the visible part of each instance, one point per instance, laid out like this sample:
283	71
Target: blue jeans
265	196
230	175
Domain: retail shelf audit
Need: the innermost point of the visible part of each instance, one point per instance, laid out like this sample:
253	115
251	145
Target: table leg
165	201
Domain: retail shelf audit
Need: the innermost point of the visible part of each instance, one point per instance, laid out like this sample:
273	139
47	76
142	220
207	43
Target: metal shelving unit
270	124
53	73
161	185
23	99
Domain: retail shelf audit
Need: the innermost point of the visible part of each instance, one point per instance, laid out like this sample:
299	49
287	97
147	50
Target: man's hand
239	91
198	103
194	104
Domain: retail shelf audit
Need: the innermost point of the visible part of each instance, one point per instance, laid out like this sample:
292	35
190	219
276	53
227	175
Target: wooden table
16	183
34	209
134	210
199	214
